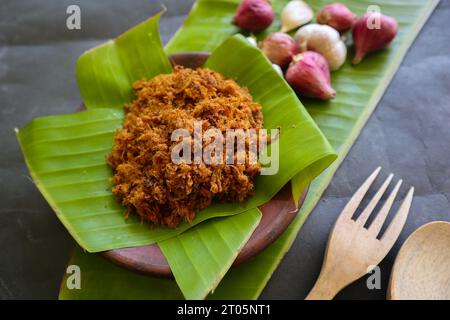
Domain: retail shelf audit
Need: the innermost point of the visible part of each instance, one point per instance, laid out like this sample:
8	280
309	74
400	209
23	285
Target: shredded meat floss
145	179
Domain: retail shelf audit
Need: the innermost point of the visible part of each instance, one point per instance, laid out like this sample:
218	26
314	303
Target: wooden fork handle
325	288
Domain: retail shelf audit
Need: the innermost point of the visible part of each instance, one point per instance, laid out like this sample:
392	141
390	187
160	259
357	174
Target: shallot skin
309	75
336	15
369	38
254	15
280	48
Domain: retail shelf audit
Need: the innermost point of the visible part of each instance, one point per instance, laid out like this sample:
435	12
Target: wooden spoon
422	267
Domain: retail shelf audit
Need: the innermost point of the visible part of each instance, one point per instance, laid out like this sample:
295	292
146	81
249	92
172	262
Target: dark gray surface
409	134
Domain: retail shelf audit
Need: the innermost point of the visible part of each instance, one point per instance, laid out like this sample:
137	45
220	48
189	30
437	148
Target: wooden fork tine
362	219
356	199
396	226
377	224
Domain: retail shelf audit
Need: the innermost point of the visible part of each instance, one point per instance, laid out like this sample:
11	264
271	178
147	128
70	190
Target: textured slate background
409	134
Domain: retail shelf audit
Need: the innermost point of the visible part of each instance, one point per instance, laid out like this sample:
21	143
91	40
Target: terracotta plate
277	214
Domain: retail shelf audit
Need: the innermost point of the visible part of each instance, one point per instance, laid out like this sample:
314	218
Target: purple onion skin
309	75
368	40
280	48
337	16
254	15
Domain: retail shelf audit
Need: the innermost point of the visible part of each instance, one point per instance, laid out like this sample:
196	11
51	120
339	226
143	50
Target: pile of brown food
146	180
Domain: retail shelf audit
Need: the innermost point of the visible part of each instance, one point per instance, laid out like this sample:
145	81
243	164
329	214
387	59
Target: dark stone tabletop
408	134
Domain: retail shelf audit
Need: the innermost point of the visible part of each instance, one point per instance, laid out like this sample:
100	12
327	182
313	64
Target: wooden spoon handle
324	289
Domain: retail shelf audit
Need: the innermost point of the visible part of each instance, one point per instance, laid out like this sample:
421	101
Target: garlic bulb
324	40
295	14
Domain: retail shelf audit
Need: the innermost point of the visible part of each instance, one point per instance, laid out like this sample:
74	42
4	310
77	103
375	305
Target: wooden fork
352	249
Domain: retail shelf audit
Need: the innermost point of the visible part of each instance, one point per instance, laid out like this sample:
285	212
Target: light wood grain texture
422	267
353	249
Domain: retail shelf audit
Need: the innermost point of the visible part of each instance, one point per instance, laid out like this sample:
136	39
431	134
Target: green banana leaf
216	17
95	268
66	158
303	149
113	282
201	256
72	148
105	74
281	109
361	87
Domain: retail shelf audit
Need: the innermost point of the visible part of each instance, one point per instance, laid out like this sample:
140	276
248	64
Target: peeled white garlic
295	14
324	40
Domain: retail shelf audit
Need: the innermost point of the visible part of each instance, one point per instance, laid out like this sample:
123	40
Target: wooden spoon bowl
277	214
422	267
